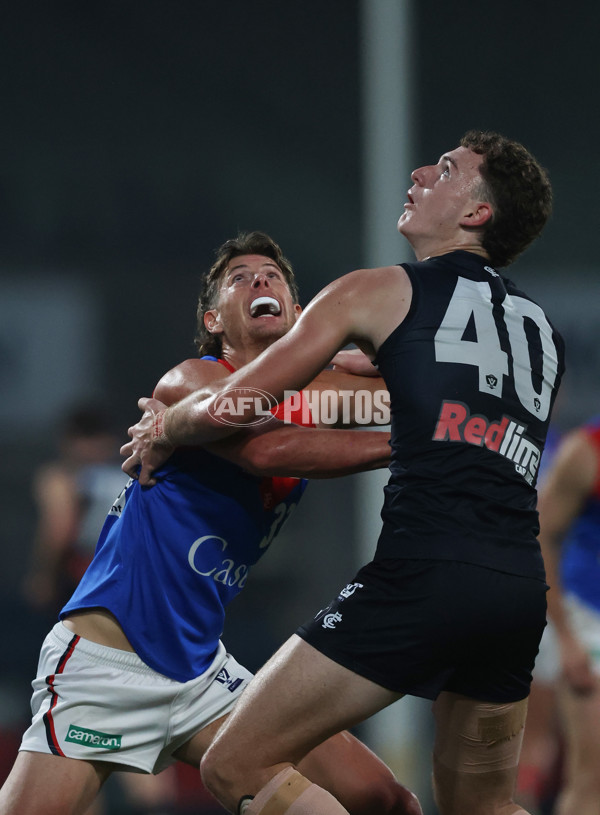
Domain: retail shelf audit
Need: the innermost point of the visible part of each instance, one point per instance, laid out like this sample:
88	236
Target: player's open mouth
264	306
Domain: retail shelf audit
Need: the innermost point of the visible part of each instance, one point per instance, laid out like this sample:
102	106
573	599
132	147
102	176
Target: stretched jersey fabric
473	372
580	562
171	557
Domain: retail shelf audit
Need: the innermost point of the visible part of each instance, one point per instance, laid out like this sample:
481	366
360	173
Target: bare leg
297	701
581	713
41	784
343	765
359	780
541	743
144	790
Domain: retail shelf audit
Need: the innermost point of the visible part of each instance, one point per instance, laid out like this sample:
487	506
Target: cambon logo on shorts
93	738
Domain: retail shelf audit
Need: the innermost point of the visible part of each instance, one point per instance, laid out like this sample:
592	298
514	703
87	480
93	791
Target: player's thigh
476	753
194	749
44	784
296	701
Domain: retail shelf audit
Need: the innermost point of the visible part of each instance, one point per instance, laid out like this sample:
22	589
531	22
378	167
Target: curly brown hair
519	190
246	243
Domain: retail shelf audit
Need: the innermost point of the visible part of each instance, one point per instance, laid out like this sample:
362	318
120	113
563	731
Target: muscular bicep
281	449
188	377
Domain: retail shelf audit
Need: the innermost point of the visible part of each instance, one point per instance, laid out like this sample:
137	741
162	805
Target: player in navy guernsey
453	605
135	675
569	509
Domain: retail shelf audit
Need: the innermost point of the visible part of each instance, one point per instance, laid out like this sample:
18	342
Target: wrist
159	433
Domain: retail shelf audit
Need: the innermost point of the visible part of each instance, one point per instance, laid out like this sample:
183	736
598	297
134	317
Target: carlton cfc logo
231	406
331	620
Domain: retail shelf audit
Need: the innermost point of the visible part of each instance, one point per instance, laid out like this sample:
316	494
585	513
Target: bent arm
290	450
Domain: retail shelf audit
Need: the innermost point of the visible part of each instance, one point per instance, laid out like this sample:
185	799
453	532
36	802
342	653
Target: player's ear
297	310
212	321
478	214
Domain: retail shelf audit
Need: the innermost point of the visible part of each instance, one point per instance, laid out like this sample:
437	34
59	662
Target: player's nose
260	279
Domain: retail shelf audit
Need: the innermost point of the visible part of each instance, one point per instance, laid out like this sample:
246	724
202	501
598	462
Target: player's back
472	372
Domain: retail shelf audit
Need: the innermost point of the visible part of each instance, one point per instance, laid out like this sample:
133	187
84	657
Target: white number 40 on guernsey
474	300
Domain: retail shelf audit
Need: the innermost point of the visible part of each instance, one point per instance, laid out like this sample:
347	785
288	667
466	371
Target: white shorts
101	704
585	621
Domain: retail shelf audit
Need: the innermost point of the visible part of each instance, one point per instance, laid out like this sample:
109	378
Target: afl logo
231	406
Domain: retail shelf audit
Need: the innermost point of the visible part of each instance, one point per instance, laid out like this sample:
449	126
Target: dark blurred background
138	135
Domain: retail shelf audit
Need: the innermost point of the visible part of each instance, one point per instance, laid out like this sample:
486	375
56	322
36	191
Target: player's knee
457	793
401	801
217	775
376	793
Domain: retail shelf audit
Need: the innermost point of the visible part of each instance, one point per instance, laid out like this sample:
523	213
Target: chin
403	220
402	226
273	332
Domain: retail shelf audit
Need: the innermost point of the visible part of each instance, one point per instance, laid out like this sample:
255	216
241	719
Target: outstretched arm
362	307
274	448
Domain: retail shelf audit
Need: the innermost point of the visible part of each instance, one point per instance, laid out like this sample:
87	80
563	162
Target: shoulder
378	298
187	377
373	281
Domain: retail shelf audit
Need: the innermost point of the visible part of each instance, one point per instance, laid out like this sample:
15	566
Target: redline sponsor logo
505	436
326	407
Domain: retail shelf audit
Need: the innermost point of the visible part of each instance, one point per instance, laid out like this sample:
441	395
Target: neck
238	357
433	248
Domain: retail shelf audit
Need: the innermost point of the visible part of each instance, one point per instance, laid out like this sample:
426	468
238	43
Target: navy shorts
421	627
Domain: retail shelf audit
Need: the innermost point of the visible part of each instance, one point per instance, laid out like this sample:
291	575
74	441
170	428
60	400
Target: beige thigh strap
280	792
290	793
478	737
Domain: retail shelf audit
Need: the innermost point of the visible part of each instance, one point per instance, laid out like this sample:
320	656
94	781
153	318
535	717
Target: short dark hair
519	190
246	243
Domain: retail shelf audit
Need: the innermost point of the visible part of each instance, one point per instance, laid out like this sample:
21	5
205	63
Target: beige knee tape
291	793
480	737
